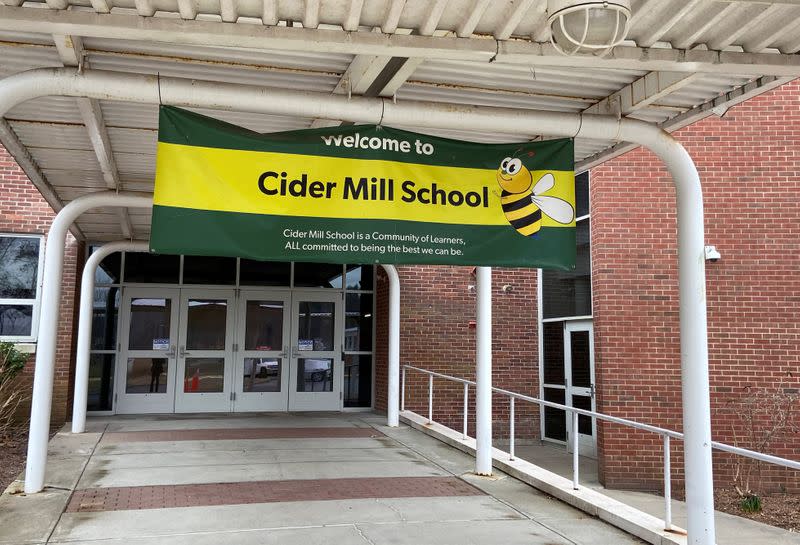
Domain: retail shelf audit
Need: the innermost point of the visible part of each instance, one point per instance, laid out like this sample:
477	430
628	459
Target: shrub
12	392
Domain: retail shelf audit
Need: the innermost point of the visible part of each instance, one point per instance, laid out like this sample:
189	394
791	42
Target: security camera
712	254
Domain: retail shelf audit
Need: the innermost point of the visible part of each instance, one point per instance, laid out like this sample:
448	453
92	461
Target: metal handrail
665	433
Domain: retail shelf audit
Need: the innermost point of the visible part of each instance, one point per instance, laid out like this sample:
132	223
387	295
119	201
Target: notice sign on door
360	194
160	344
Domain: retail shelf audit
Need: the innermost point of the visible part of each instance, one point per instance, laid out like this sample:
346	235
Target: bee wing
558	209
545	183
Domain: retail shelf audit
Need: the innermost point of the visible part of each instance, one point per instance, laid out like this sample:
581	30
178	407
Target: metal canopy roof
683	60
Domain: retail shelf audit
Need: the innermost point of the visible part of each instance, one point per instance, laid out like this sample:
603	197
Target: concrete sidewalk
259	479
731	530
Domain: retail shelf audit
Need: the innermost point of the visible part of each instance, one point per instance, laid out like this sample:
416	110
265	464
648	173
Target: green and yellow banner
360	194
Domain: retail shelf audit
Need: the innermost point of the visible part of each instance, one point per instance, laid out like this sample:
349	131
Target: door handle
591	390
171	352
182	352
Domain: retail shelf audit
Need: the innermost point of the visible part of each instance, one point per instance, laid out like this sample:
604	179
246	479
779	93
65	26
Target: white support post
144	88
511	428
403	390
667	486
466	411
85	327
575	451
483	373
393	397
430	399
42	398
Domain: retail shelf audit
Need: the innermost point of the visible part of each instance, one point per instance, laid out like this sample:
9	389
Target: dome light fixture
581	26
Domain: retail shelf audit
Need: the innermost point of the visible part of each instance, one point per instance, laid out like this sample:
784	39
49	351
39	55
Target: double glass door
213	350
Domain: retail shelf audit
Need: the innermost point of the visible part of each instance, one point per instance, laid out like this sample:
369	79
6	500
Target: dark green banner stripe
178	126
212	233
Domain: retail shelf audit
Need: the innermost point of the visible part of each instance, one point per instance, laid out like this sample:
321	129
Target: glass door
205	351
579	370
147	351
315	375
262	347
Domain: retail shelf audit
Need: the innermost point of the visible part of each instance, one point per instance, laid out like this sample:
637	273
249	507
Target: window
20	271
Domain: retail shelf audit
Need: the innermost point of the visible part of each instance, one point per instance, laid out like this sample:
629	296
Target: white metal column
227	96
393	397
41	401
85	326
483	372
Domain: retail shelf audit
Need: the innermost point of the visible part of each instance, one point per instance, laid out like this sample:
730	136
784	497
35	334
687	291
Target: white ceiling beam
12	143
269	12
57	4
512	18
666	25
70	51
467	26
728	100
692	38
187	9
428	26
257	37
723	42
228	11
541	32
145	8
101	6
642	93
13	3
353	18
393	16
311	14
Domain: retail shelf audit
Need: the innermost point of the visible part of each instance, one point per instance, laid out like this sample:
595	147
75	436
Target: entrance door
147	350
579	372
205	351
262	368
315	375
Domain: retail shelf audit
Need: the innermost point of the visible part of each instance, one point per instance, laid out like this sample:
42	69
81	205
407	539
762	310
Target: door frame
261	401
317	401
205	402
144	403
587	445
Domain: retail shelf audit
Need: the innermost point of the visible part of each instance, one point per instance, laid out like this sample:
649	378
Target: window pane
358	322
209	270
19	262
151	268
584	422
555	420
264	273
204	375
146	376
315	326
16	320
104	318
581	367
569	293
317	275
314	375
205	324
150	324
101	382
359	277
262	375
108	272
264	325
582	194
553	348
358	380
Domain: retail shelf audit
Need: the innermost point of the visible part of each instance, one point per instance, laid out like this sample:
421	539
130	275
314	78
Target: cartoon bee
522	206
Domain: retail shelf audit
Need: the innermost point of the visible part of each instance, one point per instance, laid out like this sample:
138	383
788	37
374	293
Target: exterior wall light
712	254
580	26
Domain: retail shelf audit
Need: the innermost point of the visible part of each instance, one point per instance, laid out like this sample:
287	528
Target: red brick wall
436	310
24	211
749	163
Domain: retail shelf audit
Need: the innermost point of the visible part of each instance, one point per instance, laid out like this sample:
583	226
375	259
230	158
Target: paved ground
251	479
731	530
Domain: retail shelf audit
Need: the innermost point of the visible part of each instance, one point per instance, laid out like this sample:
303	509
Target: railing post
403	390
466	409
575	451
511	428
667	487
430	399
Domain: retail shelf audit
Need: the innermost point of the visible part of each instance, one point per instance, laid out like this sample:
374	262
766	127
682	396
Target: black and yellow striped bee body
521	213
